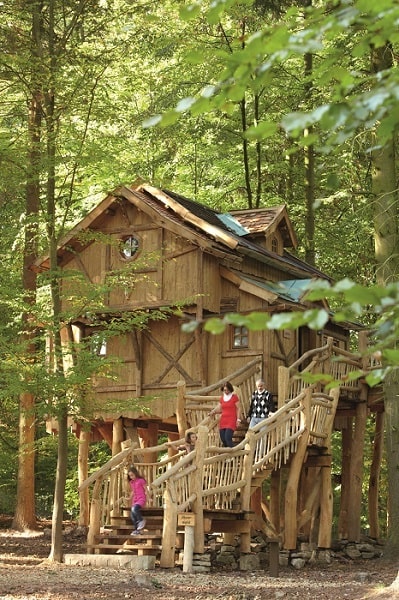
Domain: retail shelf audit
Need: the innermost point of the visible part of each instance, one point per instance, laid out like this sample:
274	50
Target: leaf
297	121
316	319
190	326
215	326
190	11
286	321
375	377
391	356
185	104
169	118
194	57
152	121
333	181
261	130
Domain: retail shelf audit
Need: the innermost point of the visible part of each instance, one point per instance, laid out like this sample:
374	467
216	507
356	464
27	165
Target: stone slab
136	563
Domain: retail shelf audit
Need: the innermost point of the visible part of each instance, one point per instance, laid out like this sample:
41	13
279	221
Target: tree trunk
25	514
61	403
391	388
309	157
386	238
56	552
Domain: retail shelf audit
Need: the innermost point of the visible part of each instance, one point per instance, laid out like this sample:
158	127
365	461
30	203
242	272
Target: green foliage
355	100
46	464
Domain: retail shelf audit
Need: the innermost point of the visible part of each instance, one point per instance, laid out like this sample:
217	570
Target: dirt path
25	574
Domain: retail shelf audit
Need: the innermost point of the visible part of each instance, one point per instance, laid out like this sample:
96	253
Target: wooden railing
337	364
212	477
110	494
192	408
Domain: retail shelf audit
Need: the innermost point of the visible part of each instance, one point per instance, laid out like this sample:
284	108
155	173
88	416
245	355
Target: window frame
133	252
240	333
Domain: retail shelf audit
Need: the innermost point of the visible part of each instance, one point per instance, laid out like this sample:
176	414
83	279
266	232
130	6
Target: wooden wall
169	269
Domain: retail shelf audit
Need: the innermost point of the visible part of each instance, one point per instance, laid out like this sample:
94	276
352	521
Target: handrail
338	364
214	477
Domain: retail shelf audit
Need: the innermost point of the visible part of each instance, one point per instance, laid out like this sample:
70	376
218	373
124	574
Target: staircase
116	537
215	484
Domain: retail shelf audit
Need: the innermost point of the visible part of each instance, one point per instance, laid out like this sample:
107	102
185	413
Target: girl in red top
229	409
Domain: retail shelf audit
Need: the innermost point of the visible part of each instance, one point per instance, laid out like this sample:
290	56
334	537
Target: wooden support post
326	493
83	454
275	481
181	419
95	516
169	533
196	488
283	385
188	520
374	481
245	493
345	479
356	473
150	438
256	503
274	557
117	436
188	549
326	509
291	492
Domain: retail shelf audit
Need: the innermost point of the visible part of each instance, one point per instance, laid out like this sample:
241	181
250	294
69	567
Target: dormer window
275	244
129	247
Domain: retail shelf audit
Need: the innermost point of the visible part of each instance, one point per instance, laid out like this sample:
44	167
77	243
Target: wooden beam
83	453
356	473
291	492
346	451
374	481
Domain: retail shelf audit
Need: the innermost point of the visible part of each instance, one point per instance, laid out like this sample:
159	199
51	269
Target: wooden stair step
138	548
124	538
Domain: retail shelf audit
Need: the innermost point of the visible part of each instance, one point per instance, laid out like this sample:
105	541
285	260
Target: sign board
184	519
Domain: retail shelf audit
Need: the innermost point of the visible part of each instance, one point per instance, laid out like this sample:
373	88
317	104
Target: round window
129	246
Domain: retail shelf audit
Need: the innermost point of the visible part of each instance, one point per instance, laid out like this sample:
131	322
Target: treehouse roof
236	234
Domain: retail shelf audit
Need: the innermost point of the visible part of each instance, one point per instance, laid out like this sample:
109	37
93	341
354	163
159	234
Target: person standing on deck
229	410
262	404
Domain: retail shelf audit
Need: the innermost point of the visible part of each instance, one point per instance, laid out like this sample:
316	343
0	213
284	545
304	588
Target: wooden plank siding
185	257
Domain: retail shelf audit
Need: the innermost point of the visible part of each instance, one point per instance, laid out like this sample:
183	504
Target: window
275	245
129	247
240	337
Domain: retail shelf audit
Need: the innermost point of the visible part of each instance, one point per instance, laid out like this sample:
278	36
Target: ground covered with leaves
26	574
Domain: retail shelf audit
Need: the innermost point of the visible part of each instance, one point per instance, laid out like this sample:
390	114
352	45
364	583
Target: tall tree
25	514
386	235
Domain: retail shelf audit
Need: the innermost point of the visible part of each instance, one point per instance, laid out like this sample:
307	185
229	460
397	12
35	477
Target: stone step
117	561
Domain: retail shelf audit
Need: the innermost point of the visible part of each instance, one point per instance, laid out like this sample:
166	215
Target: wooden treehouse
151	252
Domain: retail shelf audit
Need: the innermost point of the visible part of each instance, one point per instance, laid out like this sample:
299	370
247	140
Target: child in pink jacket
138	485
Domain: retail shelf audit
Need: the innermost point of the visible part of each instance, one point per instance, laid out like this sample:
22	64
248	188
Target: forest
234	104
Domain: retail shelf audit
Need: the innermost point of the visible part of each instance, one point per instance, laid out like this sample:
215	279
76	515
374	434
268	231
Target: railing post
248	460
95	516
181	418
196	488
291	491
245	493
283	385
169	530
